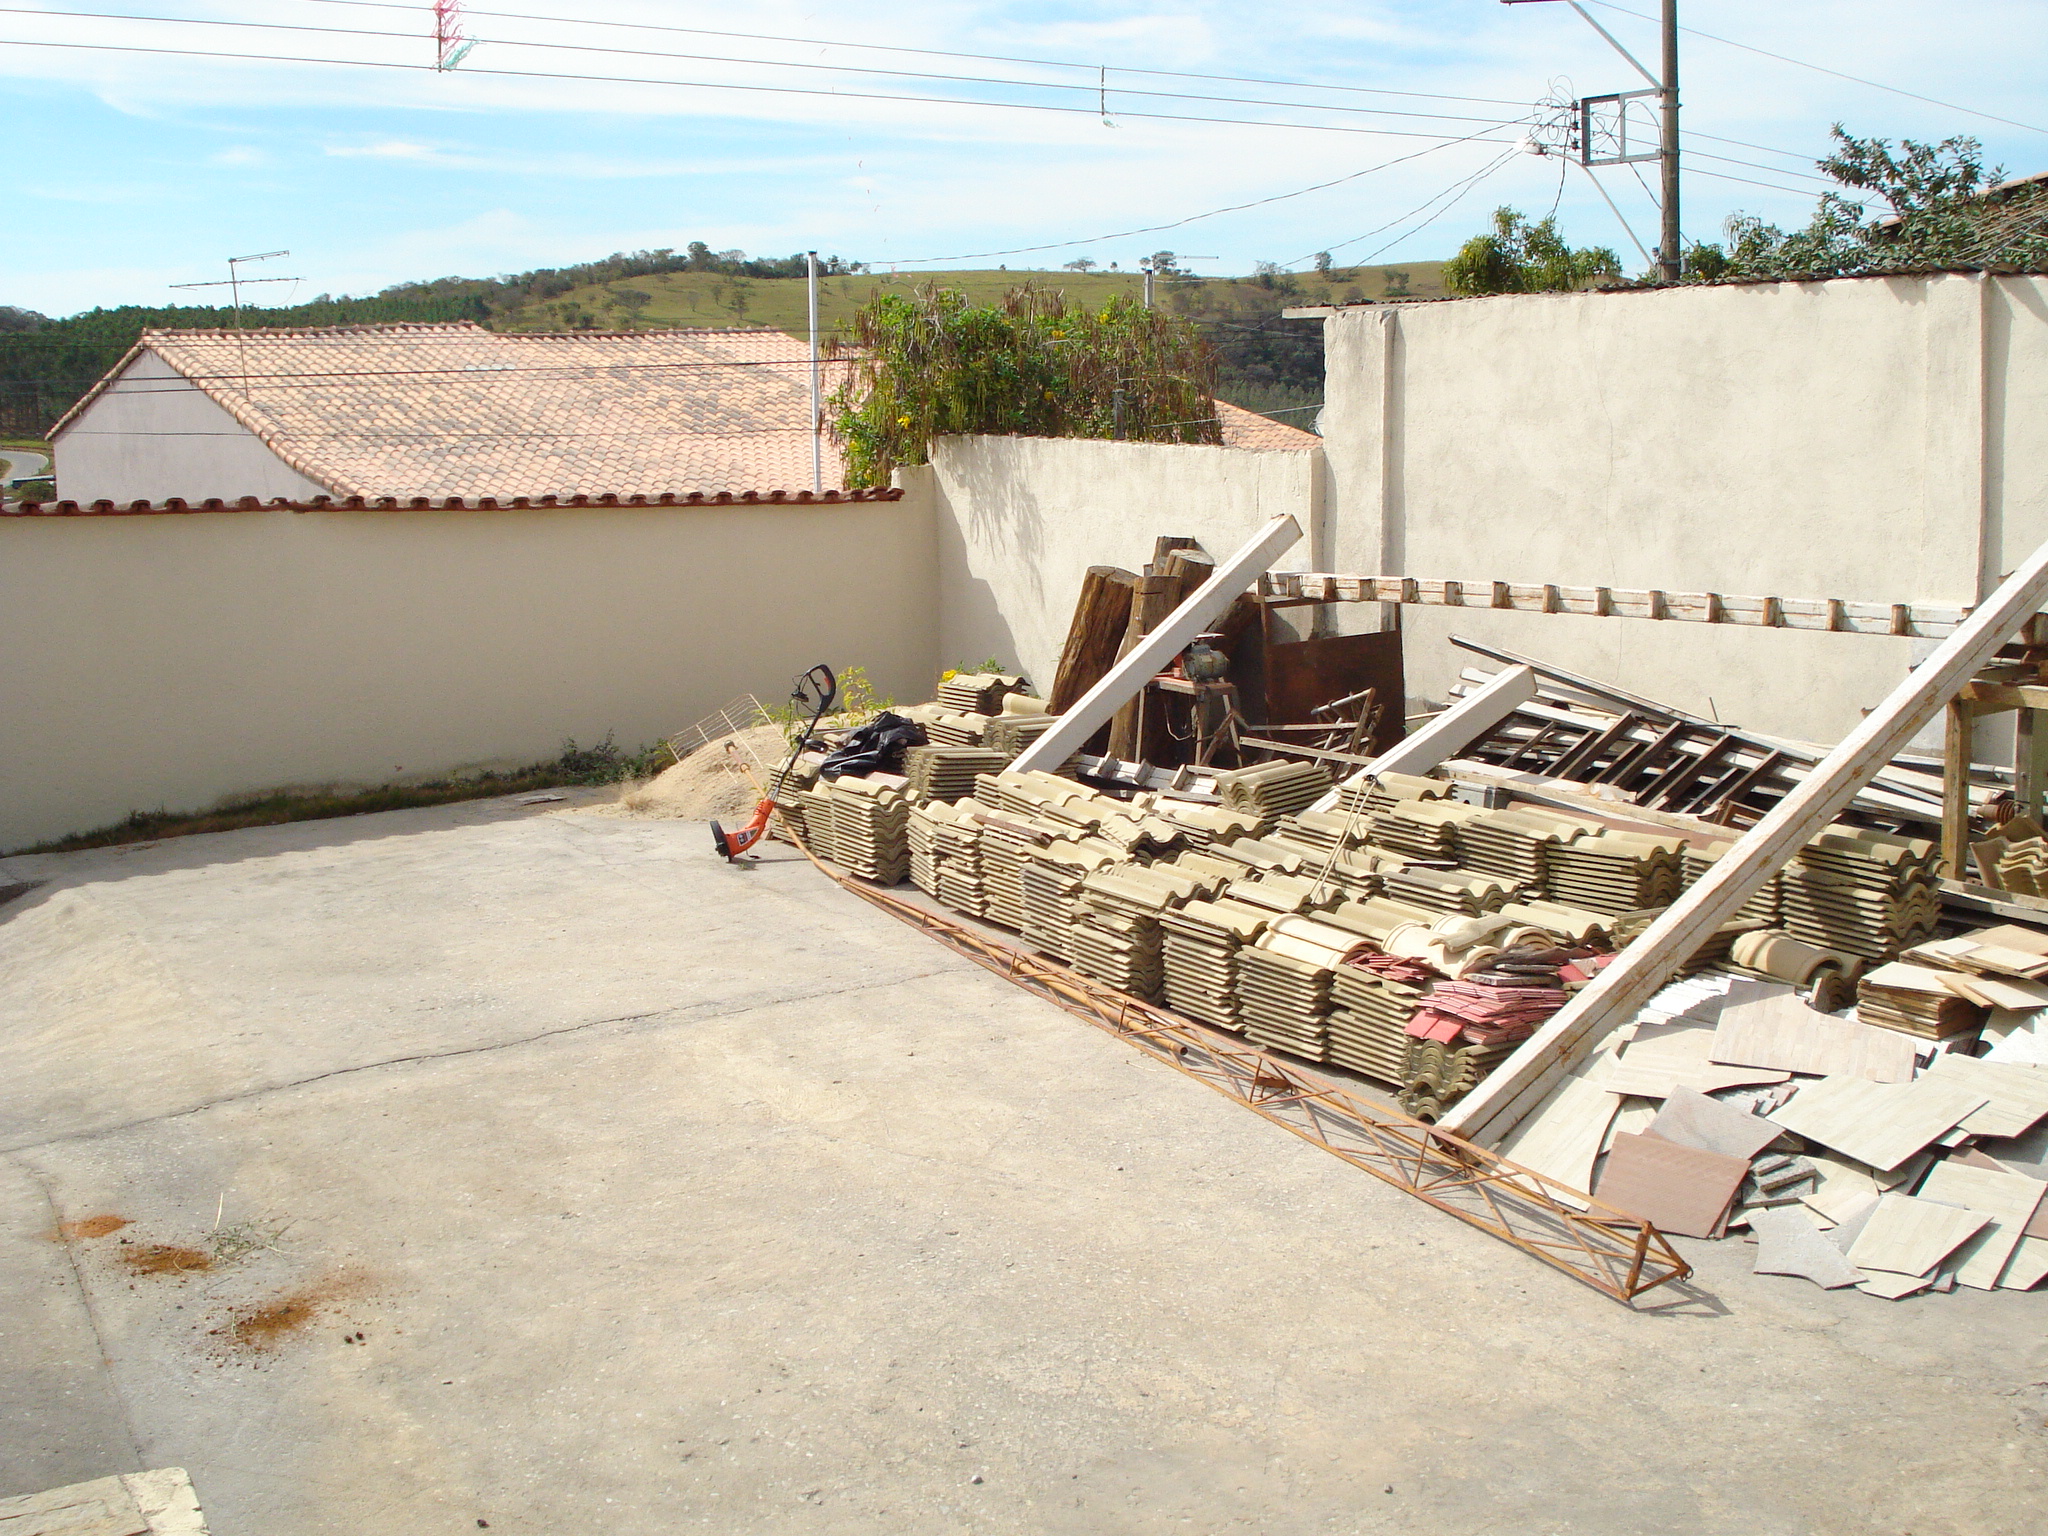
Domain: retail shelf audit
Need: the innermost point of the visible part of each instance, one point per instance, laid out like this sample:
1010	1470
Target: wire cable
1460	188
713	58
1154	229
715	85
1783	58
935	53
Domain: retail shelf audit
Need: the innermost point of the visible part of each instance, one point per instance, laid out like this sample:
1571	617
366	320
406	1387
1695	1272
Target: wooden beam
1955	789
1829	614
1102	613
1206	604
1471	719
1497	1105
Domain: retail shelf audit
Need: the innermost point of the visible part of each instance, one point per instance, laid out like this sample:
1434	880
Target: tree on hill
1520	257
1032	365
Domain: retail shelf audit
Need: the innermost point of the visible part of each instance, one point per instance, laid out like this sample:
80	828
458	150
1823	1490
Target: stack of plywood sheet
1915	1000
1868	893
1615	872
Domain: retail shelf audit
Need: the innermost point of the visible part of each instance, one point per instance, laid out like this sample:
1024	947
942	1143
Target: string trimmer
819	690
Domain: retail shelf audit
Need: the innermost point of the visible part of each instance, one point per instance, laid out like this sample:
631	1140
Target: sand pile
712	781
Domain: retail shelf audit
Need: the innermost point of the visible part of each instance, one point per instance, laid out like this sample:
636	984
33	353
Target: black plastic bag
876	747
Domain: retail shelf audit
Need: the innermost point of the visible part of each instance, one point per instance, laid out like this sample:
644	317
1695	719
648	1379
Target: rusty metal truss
1617	1254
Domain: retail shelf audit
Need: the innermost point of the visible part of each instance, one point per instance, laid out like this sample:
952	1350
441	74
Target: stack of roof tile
945	772
1615	872
924	858
1435	1075
956	730
1324	830
1516	843
1011	734
1273	790
1201	941
1868	893
978	693
1258	854
1006	843
956	850
1423	829
1760	908
1460	891
1203	826
1370	797
1369	1013
871	826
1117	938
1051	893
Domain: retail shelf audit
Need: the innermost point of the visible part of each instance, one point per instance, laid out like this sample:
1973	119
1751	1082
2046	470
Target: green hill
1268	364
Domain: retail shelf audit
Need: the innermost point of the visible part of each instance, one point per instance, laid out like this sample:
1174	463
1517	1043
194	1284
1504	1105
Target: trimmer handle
816	689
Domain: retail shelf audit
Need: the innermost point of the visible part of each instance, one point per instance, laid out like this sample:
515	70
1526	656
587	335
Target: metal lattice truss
742	715
1615	1253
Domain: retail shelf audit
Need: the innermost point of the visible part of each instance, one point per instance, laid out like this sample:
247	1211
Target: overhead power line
1154	229
1784	58
718	85
1085	90
935	53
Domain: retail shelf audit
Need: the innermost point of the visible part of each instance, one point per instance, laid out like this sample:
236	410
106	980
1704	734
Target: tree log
1102	614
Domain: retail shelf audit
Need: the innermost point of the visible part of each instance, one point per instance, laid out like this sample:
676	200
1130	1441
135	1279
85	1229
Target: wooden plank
1955	791
1571	1034
1123	681
1102	613
1450	733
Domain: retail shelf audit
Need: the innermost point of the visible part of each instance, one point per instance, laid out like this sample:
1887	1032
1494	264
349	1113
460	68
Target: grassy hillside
1268	364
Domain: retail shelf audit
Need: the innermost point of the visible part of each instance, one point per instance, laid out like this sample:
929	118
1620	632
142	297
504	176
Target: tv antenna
234	284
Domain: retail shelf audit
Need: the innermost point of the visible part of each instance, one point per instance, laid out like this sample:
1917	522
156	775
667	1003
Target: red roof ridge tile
605	501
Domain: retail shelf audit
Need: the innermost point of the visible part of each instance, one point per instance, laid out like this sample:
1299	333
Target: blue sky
133	172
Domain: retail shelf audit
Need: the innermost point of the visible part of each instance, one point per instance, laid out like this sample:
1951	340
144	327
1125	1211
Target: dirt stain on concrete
165	1259
91	1226
262	1327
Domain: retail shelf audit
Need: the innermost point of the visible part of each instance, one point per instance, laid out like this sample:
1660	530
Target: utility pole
817	404
1664	86
1671	255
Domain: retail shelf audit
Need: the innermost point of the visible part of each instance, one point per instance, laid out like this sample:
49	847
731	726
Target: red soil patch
92	1226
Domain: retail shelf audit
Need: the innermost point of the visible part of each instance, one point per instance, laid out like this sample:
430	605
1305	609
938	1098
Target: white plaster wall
173	660
153	434
1878	440
1019	520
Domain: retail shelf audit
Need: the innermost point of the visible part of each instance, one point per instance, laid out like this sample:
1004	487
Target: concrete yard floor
548	1173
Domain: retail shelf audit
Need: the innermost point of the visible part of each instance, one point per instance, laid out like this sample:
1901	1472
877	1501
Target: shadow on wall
1002	512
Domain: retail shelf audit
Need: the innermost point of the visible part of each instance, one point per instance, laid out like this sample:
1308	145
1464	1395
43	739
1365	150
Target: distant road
24	463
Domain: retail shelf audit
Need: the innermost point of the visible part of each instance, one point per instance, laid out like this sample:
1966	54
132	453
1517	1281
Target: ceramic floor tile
1881	1124
2009	1199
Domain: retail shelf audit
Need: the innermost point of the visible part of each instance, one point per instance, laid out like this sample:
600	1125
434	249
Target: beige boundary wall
1880	440
1020	519
171	660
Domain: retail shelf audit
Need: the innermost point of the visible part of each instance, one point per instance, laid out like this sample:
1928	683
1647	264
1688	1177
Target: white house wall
1020	519
171	660
153	435
1873	440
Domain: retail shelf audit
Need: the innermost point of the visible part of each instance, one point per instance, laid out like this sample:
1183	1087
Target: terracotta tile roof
1248	429
457	410
176	504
